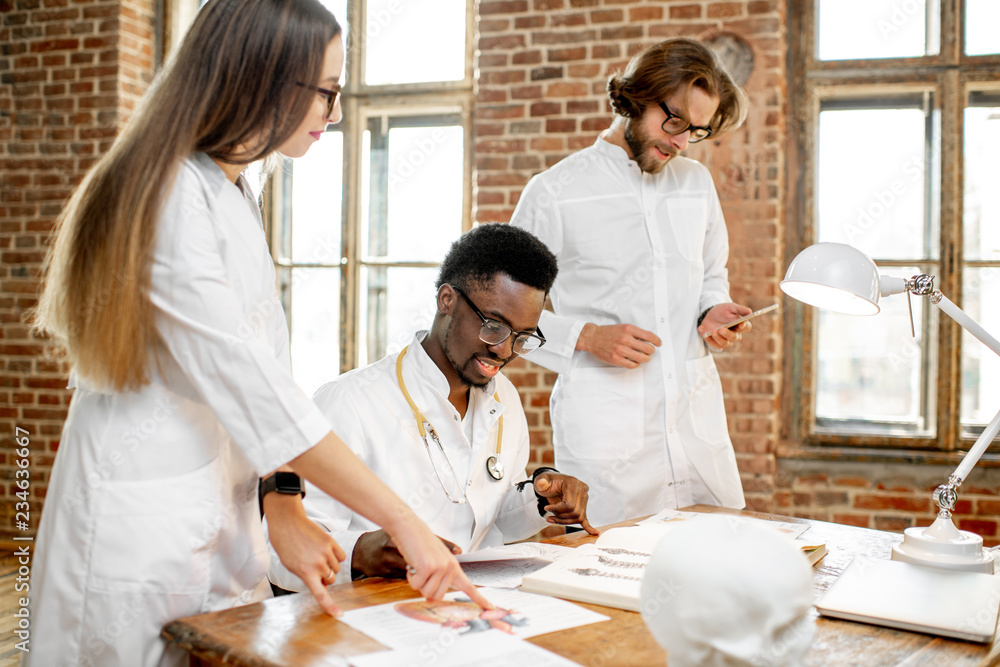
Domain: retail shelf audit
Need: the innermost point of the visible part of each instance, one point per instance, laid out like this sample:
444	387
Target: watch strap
542	500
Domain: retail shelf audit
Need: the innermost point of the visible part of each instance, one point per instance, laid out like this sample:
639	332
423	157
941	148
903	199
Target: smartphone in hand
730	325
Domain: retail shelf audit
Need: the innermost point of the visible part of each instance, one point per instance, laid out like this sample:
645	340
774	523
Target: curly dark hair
676	64
488	249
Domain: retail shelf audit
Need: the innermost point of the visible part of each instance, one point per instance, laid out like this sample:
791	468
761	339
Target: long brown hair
672	65
229	91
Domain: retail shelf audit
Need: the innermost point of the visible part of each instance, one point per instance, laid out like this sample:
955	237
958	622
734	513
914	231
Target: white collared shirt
649	250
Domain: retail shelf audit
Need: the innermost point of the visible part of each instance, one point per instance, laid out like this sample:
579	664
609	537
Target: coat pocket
157	535
597	414
706	407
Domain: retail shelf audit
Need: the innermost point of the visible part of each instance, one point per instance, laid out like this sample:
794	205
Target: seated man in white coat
441	425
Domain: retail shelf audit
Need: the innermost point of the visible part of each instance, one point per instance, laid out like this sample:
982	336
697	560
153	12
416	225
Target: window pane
315	325
424	186
871	190
393	52
872	377
981	230
339	9
316	190
980	365
851	29
398	301
981	20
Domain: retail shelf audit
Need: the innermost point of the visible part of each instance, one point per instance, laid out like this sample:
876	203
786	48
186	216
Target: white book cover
899	595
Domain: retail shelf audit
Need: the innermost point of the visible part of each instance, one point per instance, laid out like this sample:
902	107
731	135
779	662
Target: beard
464	371
640	143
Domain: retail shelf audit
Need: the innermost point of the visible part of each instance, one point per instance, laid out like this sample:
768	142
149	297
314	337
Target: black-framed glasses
494	332
674	124
330	95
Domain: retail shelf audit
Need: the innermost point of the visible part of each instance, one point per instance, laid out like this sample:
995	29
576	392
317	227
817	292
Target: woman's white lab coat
151	512
374	418
649	250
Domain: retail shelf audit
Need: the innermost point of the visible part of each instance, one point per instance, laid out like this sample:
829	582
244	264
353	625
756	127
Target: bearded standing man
642	245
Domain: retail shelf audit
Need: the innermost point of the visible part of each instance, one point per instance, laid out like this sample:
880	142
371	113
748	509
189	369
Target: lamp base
944	546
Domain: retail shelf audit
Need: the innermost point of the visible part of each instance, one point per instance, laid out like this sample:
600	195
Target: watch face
287	482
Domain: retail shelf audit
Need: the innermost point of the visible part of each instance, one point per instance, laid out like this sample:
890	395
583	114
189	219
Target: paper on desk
521	550
492	648
519	614
505	567
790	529
503	573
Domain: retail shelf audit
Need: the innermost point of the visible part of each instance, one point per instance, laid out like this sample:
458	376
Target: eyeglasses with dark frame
674	124
330	95
494	332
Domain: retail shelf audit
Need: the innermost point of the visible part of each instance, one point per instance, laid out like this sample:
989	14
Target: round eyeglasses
494	332
674	124
330	95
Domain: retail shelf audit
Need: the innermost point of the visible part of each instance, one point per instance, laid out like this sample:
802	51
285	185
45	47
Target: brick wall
543	68
885	496
70	71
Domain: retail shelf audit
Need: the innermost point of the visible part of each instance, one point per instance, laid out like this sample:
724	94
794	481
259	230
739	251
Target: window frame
362	103
950	77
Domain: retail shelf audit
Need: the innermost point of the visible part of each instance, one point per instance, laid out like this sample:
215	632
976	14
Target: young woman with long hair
161	289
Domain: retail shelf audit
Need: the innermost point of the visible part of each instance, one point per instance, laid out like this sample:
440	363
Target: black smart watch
282	482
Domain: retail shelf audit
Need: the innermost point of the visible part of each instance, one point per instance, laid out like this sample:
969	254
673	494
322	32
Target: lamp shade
834	276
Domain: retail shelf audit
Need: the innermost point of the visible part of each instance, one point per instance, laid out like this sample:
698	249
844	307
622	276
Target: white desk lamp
841	278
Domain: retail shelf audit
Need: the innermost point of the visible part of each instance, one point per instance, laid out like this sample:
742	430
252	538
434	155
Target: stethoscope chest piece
494	468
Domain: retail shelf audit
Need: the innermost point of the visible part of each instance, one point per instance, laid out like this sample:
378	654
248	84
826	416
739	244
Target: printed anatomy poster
418	622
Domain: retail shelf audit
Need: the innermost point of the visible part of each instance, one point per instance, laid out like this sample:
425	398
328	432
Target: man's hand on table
567	498
376	555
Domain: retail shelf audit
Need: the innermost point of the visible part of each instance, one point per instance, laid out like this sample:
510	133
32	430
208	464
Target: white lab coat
151	512
650	250
377	423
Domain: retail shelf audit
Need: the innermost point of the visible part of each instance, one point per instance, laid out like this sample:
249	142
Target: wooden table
291	631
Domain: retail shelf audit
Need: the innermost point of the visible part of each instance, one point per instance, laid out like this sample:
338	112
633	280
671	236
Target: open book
609	572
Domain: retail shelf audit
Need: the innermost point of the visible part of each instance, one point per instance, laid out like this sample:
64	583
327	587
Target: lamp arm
946	494
966	322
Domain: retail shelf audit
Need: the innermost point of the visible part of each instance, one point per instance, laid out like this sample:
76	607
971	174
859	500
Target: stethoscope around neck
493	465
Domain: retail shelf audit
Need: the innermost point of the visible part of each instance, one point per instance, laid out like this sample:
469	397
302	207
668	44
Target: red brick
565	55
491	7
902	503
685	12
560	125
640	14
986	528
725	10
55	45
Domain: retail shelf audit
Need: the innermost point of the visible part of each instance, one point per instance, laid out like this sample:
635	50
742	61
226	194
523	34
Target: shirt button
493	411
662	320
455	417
